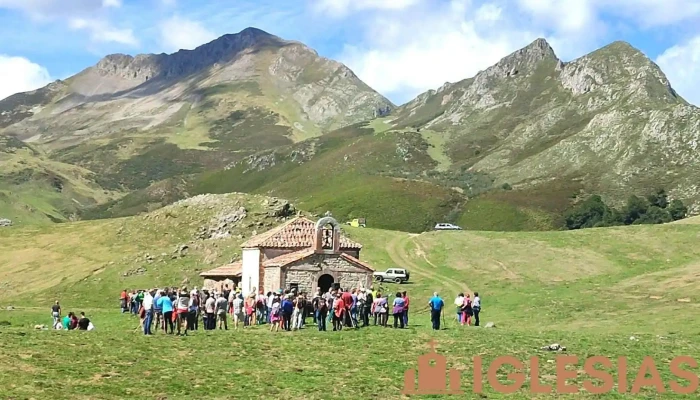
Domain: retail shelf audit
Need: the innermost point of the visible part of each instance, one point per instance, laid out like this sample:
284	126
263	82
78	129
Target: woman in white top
459	302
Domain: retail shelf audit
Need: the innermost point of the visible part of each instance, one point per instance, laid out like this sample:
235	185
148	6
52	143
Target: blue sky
399	47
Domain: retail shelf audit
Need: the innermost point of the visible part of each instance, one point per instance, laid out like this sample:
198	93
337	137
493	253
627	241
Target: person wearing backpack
321	314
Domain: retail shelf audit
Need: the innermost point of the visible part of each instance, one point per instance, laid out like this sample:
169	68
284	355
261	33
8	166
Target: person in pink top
467	311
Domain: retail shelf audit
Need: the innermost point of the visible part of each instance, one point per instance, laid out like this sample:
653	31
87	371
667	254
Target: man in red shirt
347	302
124	300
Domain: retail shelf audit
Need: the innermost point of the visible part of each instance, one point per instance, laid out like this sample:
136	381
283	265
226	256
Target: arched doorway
325	282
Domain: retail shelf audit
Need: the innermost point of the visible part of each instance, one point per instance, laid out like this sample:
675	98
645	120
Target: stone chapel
302	254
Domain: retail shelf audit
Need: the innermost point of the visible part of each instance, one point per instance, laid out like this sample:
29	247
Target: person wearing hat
183	310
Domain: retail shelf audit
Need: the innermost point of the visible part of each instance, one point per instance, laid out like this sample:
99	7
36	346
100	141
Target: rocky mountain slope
135	120
251	73
608	122
511	148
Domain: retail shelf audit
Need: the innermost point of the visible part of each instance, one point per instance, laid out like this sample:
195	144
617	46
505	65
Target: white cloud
111	3
179	33
18	74
342	7
102	32
680	63
404	55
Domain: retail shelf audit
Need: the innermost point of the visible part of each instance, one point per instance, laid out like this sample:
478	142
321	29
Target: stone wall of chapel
305	273
273	279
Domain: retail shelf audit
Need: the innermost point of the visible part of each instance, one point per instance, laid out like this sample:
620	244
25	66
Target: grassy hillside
352	172
36	189
589	290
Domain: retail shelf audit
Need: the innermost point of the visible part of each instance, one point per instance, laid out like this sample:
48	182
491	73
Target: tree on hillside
654	209
658	199
587	214
677	210
635	208
654	215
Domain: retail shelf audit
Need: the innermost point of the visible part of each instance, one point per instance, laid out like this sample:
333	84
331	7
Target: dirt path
397	251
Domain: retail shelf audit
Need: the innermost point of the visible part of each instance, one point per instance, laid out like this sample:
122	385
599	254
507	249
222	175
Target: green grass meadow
615	292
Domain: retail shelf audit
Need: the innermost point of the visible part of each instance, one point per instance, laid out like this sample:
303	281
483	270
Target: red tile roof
296	233
227	270
357	261
290	258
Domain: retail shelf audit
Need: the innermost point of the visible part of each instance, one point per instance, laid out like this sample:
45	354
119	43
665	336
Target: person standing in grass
287	310
367	309
298	313
459	303
209	311
476	308
238	314
221	306
56	313
354	307
339	313
405	307
193	320
321	314
398	310
268	303
435	305
157	309
183	310
275	315
124	299
467	311
330	297
382	309
147	305
166	304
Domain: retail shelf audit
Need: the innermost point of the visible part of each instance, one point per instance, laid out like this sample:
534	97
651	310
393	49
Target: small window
390	271
294	286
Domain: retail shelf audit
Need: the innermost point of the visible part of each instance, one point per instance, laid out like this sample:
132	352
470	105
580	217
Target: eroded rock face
610	116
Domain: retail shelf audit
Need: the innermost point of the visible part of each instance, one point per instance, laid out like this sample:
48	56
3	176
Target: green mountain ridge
511	148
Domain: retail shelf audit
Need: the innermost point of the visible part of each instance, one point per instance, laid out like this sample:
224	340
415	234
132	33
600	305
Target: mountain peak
223	49
533	53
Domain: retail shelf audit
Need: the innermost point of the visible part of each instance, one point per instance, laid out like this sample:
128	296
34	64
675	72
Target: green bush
655	209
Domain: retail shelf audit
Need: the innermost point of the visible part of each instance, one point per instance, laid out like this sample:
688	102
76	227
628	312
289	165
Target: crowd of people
179	311
468	308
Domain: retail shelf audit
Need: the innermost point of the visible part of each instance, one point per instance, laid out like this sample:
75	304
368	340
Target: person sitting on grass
83	322
66	322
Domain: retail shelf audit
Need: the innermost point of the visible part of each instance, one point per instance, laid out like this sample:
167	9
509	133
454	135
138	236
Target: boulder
10	308
490	325
5	222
